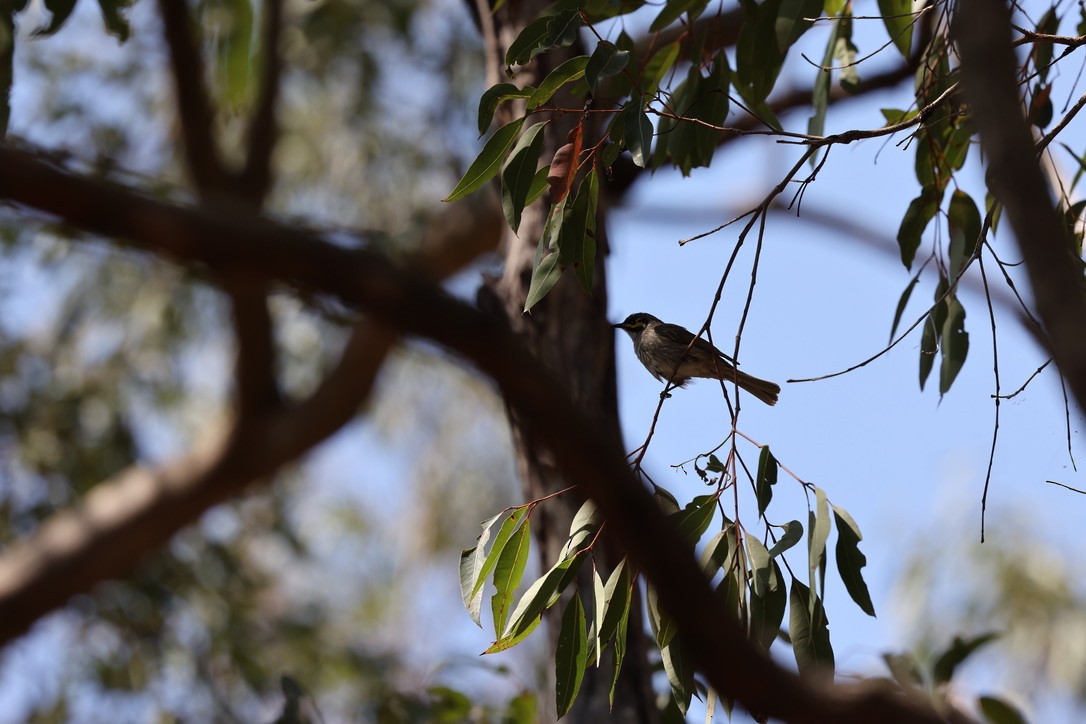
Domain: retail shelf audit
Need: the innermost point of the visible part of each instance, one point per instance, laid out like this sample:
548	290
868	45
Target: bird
660	345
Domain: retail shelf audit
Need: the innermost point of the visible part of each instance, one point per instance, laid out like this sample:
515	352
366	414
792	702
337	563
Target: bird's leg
665	394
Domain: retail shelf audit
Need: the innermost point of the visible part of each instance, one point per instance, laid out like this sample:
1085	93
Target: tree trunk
568	332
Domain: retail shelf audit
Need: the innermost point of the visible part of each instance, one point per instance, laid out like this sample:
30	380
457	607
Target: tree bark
569	333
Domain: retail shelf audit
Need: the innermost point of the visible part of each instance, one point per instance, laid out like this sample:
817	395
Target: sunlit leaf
819	528
504	534
508	573
471	568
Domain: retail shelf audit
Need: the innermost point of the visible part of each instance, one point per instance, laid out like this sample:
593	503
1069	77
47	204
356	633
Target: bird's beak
618	326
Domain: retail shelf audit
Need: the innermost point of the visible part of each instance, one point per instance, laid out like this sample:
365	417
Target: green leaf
901	303
663	628
820	529
758	57
850	561
673	10
584	245
921	211
504	534
599	610
699	100
113	18
617	594
581	531
964	222
489	161
844	53
999	711
570	655
960	650
791	20
809	630
528	44
717	550
767	608
793	532
620	643
508	574
61	10
571	70
695	518
606	60
236	53
904	670
1042	52
538	187
539	596
496	95
954	344
766	479
662	61
820	93
637	133
760	570
544	277
680	674
508	642
471	568
899	21
520	173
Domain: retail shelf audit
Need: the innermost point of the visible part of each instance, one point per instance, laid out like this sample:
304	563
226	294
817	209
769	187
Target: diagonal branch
988	75
406	301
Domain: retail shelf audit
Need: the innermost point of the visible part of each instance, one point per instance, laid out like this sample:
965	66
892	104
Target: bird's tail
764	390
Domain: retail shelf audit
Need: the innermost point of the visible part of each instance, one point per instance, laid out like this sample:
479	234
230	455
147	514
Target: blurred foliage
1030	595
299	602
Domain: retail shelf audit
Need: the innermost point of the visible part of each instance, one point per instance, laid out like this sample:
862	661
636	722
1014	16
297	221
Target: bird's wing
682	336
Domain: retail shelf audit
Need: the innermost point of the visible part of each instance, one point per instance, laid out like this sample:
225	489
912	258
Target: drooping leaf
792	20
901	303
850	561
820	93
809	630
760	569
488	162
767	608
607	60
568	71
819	527
583	251
766	479
637	133
547	32
673	10
496	95
471	568
899	21
565	165
701	104
921	211
960	650
758	56
540	595
538	187
582	529
717	550
680	674
545	275
599	610
1041	53
844	54
658	65
964	226
793	532
504	534
570	655
508	573
953	343
519	174
623	616
695	518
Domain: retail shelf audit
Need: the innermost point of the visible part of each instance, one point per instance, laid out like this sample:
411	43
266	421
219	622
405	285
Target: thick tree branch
989	70
404	300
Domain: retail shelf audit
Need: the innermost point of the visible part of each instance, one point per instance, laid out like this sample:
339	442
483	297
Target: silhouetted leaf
766	479
850	561
569	659
960	650
809	630
899	21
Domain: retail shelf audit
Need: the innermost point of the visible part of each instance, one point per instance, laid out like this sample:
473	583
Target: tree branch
263	127
403	299
193	106
989	69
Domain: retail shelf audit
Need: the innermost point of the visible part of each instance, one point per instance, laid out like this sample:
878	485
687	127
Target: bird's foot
665	395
